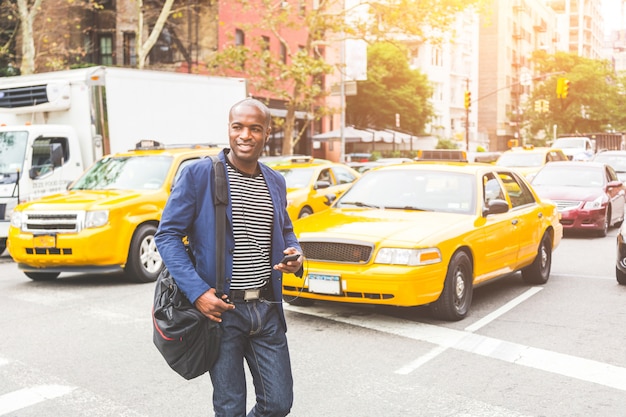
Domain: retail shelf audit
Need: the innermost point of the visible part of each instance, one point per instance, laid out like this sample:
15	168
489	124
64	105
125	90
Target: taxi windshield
437	191
297	177
125	173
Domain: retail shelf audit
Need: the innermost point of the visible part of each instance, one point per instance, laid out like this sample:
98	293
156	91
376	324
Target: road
81	346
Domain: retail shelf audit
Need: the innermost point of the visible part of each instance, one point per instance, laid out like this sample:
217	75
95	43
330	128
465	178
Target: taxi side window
491	189
343	176
518	192
325	176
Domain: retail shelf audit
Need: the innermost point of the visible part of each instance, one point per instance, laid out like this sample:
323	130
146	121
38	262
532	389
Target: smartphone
288	258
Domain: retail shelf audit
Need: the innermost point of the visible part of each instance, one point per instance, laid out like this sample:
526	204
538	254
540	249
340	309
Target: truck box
54	125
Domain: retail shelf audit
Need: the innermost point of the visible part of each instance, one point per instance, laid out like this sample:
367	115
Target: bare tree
143	49
27	17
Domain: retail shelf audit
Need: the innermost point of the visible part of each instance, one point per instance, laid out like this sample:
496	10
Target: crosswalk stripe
26	397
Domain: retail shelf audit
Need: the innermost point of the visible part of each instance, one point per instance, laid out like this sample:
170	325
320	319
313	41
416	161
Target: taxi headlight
410	257
96	218
593	205
16	219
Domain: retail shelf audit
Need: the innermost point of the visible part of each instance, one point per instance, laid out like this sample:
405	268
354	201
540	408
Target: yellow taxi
106	220
312	185
425	234
528	159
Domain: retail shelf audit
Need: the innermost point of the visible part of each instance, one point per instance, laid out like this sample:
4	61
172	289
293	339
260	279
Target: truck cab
105	221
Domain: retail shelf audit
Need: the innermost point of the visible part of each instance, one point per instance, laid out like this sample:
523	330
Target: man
258	234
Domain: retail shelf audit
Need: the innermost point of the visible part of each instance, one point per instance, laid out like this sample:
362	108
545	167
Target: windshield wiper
414	208
360	204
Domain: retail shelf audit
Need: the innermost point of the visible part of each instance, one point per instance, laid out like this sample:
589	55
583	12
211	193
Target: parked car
589	195
425	233
312	186
528	159
617	160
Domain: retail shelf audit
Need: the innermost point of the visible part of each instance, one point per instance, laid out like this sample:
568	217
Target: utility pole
468	102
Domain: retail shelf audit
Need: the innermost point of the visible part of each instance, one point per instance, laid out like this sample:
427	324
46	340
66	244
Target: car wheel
3	245
539	271
607	223
306	211
144	262
42	276
455	299
621	277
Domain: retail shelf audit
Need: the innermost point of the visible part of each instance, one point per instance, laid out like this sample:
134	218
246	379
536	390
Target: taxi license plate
325	284
44	241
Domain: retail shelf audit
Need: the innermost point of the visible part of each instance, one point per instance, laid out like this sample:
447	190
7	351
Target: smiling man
258	234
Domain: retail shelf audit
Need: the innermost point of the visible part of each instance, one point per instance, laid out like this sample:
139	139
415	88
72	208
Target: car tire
144	262
3	245
621	276
456	297
306	211
607	223
42	276
538	272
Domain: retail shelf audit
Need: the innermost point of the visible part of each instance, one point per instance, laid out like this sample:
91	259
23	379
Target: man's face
247	133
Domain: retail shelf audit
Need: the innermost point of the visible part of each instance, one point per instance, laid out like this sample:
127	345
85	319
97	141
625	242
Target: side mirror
330	199
496	207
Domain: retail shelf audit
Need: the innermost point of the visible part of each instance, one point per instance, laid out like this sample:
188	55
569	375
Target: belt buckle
250	295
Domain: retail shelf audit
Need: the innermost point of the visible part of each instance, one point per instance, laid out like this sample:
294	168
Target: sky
612	13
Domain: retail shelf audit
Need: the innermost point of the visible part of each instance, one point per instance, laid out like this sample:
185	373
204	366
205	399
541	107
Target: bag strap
220	201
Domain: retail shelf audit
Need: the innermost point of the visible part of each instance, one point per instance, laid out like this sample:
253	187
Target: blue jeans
252	331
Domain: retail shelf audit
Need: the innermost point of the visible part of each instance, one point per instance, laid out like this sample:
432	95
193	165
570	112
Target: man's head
248	131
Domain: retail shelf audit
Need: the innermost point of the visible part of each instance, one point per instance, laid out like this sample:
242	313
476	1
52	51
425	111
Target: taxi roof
150	147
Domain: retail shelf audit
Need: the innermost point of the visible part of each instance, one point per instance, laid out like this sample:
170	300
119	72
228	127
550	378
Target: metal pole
467	112
342	94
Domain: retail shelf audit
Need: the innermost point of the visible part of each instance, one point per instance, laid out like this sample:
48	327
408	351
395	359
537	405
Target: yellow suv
106	220
528	159
312	185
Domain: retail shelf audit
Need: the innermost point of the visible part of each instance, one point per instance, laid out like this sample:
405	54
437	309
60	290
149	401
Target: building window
283	53
437	57
240	37
105	50
130	55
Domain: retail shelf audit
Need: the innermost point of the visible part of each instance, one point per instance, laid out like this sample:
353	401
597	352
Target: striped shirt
252	228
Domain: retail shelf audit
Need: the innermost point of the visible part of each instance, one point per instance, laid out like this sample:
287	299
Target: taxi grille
52	222
345	252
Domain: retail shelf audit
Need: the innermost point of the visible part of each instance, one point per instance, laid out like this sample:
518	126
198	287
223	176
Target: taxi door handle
514	222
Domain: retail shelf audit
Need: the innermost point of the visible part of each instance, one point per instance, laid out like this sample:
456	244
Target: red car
589	195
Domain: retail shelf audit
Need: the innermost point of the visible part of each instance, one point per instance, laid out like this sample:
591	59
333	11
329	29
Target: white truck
54	125
577	148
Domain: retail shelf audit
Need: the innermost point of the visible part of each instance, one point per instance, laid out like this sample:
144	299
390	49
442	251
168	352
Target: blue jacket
190	212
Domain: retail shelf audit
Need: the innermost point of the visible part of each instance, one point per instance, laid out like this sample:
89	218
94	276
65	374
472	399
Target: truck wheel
42	276
455	299
144	262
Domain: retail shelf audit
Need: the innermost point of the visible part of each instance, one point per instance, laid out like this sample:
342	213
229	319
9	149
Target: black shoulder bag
186	338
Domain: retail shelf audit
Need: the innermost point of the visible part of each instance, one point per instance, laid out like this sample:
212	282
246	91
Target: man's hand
291	266
211	306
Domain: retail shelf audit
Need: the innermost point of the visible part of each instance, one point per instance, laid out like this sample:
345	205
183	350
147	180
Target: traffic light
565	88
468	99
559	87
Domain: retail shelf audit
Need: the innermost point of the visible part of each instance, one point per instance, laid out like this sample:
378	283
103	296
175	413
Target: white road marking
472	328
504	309
26	397
558	363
